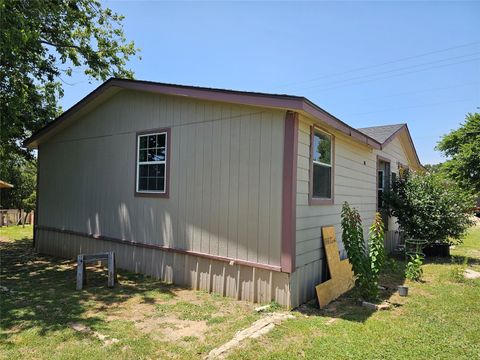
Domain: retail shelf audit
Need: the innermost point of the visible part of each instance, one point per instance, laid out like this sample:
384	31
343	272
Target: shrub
413	270
430	208
457	271
366	266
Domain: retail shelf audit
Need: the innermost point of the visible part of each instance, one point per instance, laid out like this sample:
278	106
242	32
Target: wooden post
80	272
111	269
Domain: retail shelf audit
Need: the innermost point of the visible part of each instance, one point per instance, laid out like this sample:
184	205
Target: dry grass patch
147	318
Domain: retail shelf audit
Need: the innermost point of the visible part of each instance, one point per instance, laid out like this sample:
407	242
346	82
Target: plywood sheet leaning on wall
341	275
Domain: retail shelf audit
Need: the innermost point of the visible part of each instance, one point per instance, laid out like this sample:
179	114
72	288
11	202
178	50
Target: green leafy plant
366	265
376	249
429	207
457	271
413	270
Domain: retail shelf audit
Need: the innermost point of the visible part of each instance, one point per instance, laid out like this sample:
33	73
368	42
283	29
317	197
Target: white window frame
164	162
317	130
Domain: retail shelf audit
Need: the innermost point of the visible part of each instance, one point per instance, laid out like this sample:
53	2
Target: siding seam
162	248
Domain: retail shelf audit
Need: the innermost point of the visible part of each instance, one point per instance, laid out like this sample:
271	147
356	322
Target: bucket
403	290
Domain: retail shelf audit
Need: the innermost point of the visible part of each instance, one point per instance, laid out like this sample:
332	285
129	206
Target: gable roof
383	132
275	101
386	133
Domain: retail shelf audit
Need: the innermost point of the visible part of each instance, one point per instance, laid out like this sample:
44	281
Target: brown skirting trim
163	248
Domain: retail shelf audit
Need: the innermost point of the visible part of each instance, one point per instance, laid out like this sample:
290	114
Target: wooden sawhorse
83	259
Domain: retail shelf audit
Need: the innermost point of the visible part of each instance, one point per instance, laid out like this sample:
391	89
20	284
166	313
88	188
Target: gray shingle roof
381	133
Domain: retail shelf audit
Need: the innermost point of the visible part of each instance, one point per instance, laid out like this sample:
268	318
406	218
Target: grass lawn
440	319
139	319
143	318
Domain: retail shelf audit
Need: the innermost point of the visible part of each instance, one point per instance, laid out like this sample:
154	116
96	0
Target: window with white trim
151	162
322	165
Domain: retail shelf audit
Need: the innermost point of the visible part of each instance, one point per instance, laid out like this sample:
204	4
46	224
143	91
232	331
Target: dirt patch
172	328
254	331
131	310
107	341
421	292
149	320
187	295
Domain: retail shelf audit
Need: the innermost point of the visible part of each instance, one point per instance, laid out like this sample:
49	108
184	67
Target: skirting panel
236	281
304	280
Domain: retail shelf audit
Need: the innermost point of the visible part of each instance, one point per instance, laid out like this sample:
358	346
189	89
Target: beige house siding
225	198
354	182
225	180
236	281
395	152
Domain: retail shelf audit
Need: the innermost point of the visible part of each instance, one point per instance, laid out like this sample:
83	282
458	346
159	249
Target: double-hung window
321	168
152	160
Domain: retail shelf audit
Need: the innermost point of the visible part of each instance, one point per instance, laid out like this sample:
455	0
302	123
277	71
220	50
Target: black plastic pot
437	250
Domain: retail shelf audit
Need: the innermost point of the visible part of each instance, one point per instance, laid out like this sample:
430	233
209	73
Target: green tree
429	207
43	41
21	173
434	168
462	146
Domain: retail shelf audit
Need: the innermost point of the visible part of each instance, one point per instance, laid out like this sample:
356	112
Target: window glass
322	181
322	148
322	165
380	180
151	162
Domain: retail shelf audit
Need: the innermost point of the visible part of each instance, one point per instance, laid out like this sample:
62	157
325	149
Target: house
218	190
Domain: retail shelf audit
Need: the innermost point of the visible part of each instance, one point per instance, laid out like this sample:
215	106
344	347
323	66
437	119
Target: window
383	180
152	159
321	168
381	187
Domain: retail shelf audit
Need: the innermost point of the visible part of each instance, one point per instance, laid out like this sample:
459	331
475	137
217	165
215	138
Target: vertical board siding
354	182
225	176
237	281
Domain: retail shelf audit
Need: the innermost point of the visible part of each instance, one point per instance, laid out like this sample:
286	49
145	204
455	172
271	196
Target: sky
367	63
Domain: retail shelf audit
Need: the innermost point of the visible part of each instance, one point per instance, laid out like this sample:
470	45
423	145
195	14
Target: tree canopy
429	207
44	41
22	173
462	146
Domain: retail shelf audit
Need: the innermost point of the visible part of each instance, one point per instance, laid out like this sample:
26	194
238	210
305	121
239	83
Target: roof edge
30	142
404	127
395	133
288	102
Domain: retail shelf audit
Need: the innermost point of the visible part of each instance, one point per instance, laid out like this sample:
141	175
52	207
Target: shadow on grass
453	259
39	291
349	305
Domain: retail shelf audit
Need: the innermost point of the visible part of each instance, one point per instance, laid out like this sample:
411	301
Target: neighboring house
217	190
